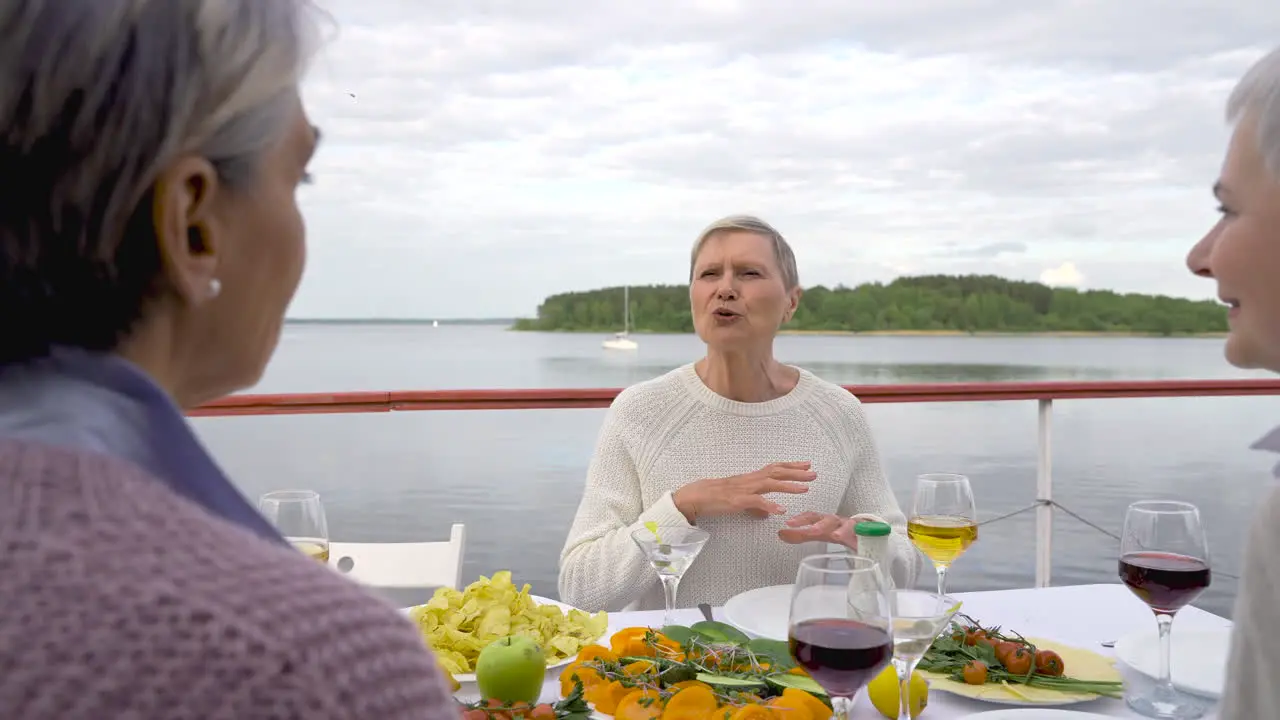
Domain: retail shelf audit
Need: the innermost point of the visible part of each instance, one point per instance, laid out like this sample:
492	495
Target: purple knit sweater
122	600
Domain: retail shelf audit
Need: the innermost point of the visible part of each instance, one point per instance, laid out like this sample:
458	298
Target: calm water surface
515	477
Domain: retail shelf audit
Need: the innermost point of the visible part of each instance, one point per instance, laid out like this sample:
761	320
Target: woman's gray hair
96	98
748	223
1258	94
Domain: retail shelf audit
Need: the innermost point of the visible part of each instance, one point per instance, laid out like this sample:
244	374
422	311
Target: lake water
515	477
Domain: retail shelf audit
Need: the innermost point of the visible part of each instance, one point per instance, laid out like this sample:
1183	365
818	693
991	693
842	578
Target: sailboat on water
622	340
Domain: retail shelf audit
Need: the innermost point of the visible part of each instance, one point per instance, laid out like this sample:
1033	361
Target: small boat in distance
622	340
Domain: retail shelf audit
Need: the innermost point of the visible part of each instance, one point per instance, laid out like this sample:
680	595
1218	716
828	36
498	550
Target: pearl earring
215	287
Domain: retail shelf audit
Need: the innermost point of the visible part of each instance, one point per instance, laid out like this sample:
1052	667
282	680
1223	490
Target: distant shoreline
985	305
1001	333
926	333
399	321
509	324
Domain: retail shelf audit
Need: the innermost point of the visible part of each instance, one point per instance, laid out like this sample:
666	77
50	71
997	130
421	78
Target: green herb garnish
949	654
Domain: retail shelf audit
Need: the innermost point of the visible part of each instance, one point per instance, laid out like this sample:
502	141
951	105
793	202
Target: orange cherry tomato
975	672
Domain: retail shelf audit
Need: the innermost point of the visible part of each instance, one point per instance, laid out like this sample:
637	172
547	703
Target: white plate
1032	714
1031	706
763	612
1197	661
602	640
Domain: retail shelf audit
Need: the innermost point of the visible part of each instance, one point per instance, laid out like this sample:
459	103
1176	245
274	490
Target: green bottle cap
872	529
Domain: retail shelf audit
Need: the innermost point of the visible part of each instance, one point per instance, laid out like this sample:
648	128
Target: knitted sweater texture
664	433
124	601
1251	689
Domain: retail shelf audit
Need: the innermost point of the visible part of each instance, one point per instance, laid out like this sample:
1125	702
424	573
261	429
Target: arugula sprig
699	655
949	655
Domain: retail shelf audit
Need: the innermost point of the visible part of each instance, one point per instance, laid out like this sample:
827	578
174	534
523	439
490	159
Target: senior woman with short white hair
1241	253
763	456
150	242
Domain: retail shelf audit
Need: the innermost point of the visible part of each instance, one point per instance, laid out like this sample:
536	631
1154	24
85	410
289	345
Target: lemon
883	692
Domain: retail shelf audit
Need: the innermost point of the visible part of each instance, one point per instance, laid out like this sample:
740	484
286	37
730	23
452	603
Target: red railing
564	398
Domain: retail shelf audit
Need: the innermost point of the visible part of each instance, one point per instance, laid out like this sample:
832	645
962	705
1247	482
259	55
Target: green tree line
964	303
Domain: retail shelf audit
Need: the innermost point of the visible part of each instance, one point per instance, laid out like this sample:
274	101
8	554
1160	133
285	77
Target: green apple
511	670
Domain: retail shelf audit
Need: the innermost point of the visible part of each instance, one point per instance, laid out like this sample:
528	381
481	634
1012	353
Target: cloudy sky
482	154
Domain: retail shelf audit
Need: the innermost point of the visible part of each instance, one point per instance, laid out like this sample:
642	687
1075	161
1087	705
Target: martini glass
671	550
918	618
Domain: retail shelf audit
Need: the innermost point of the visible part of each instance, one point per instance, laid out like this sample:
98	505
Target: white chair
402	565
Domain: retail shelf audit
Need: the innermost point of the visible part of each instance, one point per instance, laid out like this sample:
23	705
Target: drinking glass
918	618
944	520
1164	559
670	550
299	517
841	627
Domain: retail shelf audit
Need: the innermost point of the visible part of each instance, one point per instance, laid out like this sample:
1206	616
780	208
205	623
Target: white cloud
497	152
1065	274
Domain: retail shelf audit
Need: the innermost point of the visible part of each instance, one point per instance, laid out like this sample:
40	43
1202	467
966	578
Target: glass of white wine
944	520
299	516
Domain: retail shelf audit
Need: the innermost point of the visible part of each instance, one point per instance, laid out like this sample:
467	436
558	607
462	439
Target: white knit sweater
1254	665
667	432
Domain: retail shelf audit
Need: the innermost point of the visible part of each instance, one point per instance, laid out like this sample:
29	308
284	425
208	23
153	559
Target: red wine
1165	581
841	655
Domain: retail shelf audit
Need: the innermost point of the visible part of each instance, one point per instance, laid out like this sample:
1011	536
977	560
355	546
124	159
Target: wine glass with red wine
840	629
1164	560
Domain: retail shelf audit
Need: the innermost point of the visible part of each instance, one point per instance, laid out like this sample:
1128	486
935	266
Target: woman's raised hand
743	493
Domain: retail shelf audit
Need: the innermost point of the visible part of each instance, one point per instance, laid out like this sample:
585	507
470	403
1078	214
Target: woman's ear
186	238
793	297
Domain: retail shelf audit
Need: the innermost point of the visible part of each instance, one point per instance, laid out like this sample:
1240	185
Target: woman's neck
745	377
174	359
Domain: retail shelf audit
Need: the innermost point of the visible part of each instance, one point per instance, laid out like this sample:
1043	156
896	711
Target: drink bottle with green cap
873	544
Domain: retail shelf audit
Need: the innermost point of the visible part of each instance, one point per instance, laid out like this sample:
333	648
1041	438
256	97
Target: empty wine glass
670	550
840	629
918	618
944	520
299	516
1164	559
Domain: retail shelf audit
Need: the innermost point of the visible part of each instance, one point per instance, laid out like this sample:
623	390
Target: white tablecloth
1081	615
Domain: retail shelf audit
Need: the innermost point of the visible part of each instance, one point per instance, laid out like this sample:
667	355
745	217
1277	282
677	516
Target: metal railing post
1044	494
